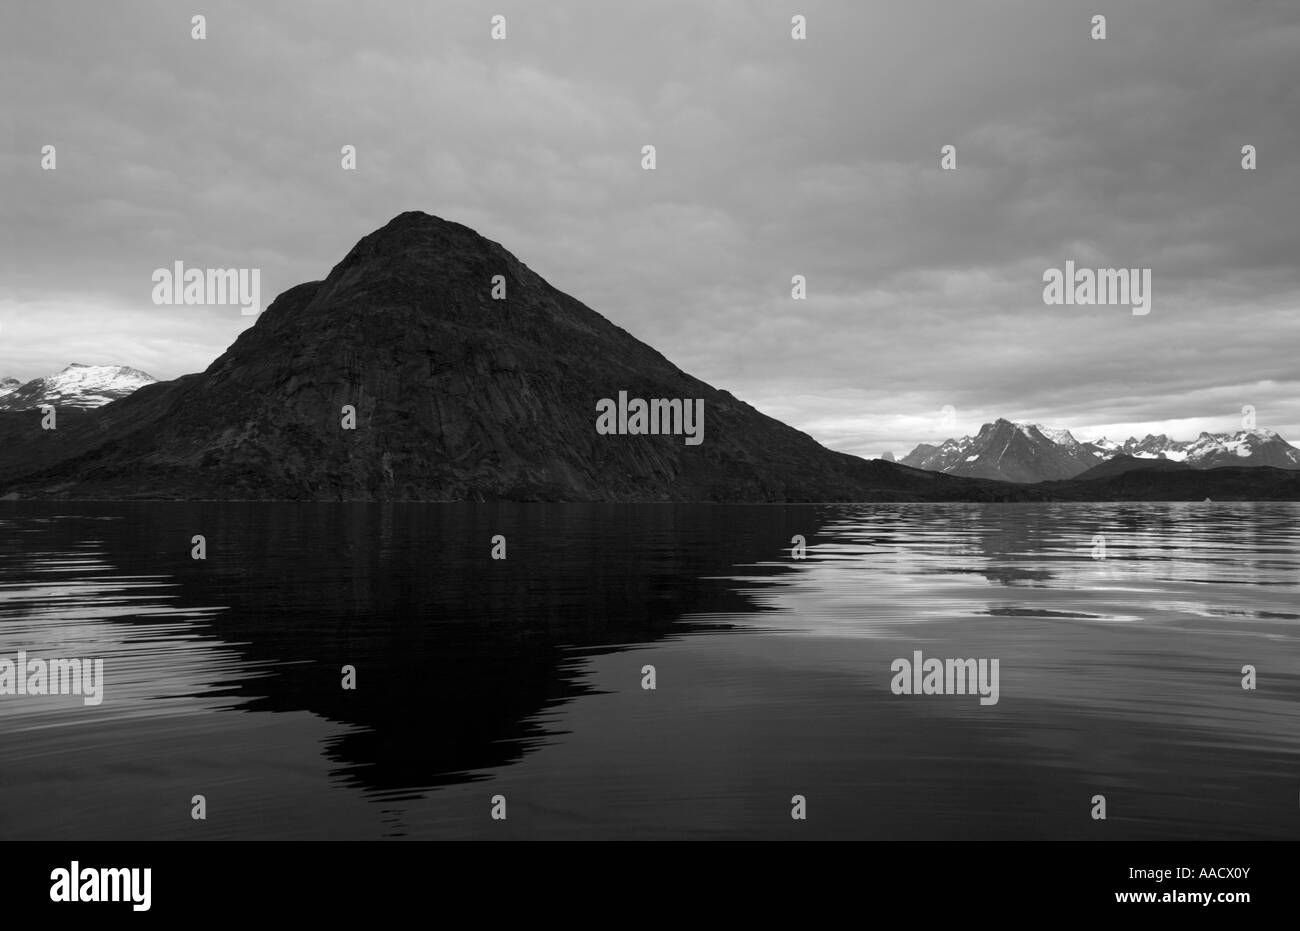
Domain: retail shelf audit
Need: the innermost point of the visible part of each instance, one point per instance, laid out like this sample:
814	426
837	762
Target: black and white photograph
650	422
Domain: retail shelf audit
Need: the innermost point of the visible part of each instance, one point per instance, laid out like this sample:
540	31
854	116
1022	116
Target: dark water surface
1118	676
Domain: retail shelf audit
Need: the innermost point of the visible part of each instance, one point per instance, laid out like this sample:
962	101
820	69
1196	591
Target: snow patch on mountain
1059	437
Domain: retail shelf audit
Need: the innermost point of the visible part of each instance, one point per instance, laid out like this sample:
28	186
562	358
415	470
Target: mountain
76	386
1042	454
1006	451
1151	447
1209	450
1172	481
7	385
1246	447
1118	465
457	396
1103	448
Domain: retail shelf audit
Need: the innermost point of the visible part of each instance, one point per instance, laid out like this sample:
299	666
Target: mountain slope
1176	482
1118	465
457	397
76	386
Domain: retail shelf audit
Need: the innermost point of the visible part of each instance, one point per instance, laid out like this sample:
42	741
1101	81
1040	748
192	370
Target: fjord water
523	677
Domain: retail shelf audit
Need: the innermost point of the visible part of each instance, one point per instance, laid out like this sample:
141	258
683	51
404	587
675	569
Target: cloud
776	158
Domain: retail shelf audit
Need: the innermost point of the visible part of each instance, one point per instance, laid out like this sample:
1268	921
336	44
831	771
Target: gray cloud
818	158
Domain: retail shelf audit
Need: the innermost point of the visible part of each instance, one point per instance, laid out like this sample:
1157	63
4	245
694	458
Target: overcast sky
775	158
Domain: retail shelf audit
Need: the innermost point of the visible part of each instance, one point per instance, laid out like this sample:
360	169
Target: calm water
1119	676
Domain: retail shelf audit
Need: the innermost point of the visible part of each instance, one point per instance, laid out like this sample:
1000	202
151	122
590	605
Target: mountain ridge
77	386
1044	454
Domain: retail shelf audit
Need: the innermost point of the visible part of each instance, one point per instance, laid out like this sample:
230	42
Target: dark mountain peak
418	219
421	238
1010	431
1121	463
424	263
402	375
415	231
1005	450
390	295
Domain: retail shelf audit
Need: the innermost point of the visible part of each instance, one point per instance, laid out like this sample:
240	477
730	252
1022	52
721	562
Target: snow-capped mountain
1059	437
76	386
1149	447
1011	452
8	384
1104	448
1209	450
1246	447
1018	452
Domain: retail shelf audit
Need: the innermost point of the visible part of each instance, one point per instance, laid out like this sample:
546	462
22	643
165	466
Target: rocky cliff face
457	397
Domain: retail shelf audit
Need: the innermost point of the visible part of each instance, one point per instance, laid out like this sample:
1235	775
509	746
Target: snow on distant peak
1056	453
1059	437
77	385
80	373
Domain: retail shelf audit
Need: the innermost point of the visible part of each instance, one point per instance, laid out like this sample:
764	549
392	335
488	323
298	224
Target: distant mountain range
1026	452
79	386
402	376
